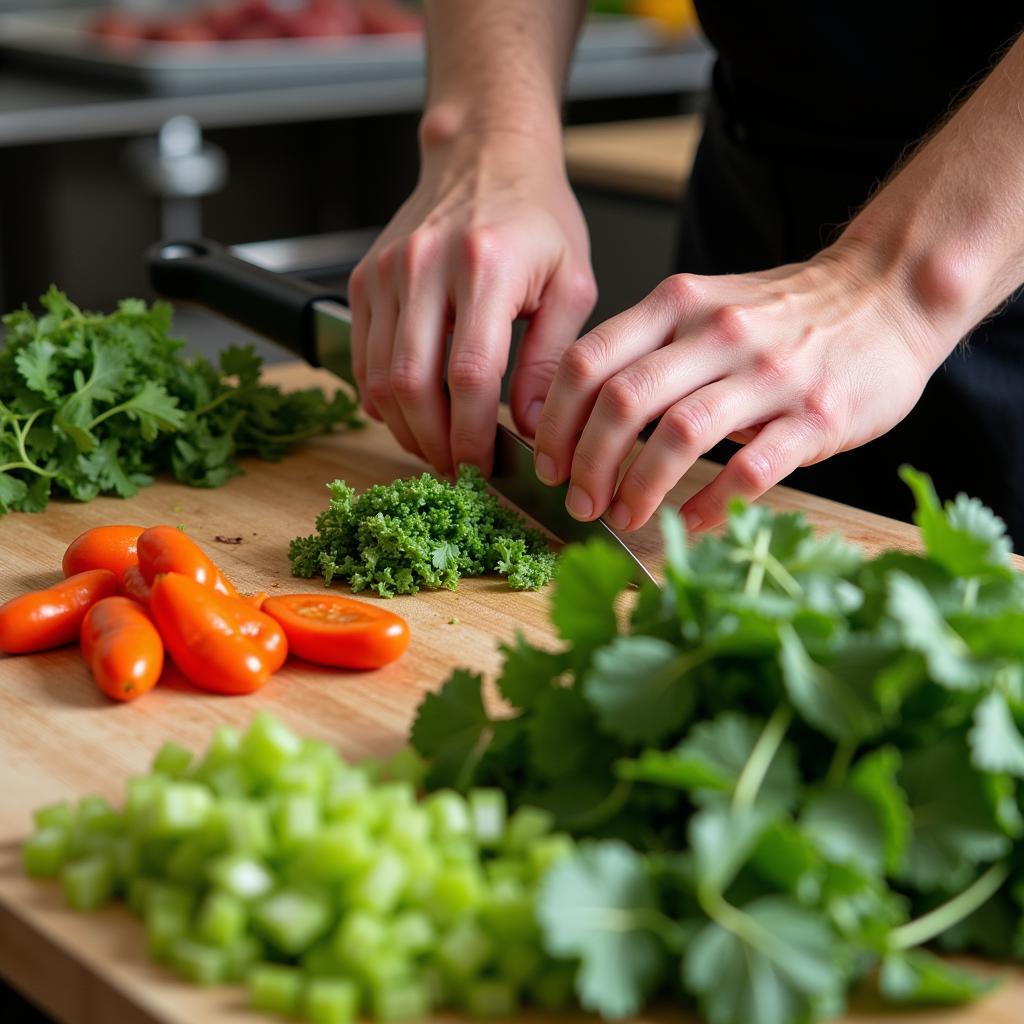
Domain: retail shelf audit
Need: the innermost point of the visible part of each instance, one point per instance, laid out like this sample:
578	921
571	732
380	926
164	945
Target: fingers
636	396
598	356
360	306
780	447
564	307
688	429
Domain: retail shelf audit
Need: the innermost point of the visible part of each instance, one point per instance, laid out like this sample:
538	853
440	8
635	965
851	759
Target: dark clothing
812	104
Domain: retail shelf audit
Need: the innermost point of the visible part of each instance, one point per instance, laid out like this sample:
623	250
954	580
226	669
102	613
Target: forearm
949	226
497	66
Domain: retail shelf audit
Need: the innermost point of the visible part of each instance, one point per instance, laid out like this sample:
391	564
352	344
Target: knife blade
318	327
513	476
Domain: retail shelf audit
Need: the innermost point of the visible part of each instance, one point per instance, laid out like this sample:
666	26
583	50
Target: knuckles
730	324
625	396
682	290
754	471
581	362
407	378
470	375
689	423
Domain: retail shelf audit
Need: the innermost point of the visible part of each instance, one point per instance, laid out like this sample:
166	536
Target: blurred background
288	128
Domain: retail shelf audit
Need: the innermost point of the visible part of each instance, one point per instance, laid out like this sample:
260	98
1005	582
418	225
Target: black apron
793	146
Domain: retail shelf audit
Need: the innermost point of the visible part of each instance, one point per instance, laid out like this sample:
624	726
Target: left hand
797	363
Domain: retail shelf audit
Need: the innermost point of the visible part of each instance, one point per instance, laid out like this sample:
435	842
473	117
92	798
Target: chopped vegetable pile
421	533
798	766
332	894
93	404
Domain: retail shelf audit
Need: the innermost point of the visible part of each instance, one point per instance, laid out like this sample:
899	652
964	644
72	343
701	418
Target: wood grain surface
60	738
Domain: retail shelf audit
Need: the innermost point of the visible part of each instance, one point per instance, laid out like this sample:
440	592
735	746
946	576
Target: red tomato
334	630
50	618
131	583
122	648
167	549
103	547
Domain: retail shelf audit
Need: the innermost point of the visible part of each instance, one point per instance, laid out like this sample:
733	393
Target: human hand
492	232
797	363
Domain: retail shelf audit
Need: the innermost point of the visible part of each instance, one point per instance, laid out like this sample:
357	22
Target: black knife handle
271	304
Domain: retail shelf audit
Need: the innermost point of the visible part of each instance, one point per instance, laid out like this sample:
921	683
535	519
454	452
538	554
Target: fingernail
532	416
694	521
579	503
619	515
545	467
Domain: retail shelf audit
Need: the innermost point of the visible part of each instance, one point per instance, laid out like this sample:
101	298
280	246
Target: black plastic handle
205	272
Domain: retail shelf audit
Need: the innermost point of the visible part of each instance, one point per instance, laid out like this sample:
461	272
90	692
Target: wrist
449	126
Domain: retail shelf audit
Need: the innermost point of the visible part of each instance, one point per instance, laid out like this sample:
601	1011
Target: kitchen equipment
317	326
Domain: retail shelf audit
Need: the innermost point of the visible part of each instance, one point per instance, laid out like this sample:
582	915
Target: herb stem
943	917
971	587
732	919
749	783
223	397
755	574
299	435
840	763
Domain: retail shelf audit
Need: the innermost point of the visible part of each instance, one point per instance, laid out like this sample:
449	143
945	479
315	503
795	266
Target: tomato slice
334	630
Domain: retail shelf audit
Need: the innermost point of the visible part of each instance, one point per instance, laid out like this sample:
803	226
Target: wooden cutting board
60	739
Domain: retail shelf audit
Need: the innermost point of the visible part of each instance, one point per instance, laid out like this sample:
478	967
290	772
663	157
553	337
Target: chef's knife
316	325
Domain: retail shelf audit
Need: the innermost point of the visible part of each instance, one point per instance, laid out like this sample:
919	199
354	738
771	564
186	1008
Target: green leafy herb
421	533
100	404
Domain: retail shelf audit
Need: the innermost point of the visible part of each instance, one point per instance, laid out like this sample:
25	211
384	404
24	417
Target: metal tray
61	41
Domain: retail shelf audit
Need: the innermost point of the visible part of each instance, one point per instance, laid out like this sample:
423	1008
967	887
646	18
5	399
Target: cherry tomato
167	549
50	618
104	547
221	643
334	630
122	648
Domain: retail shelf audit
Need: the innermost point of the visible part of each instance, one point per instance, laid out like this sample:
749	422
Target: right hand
492	232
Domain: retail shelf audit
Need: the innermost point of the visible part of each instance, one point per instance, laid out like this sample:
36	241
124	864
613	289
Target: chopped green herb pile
328	888
99	404
420	533
797	766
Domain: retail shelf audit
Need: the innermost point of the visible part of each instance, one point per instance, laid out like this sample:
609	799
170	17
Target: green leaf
966	538
919	978
781	970
598	905
35	361
528	672
452	730
876	777
640	687
711	758
561	733
154	410
995	740
241	361
924	629
723	839
12	491
847	828
837	698
590	577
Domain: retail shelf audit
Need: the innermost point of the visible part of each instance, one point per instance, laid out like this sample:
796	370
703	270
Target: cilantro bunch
798	769
419	533
97	404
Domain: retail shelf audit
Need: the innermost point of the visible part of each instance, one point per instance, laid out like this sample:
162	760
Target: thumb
564	306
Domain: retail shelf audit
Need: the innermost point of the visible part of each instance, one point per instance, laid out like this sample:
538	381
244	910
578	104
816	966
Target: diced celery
508	912
525	827
506	869
408	828
179	808
240	956
165	925
303	776
408	1000
358	938
44	853
154	854
394	796
422	865
320	960
412	932
338	852
465	950
96	815
380	885
172	759
388	967
275	988
230	780
224	748
297	819
198	963
344	798
437	988
127	856
267	745
549	850
487	808
246	825
243	876
188	861
291	920
457	889
553	989
221	919
88	883
331	1001
449	814
489	997
59	815
140	798
164	894
138	893
518	962
406	765
460	851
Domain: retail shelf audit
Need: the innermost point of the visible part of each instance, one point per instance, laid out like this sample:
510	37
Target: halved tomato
334	630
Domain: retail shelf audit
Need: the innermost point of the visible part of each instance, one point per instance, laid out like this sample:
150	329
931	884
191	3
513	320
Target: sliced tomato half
334	630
